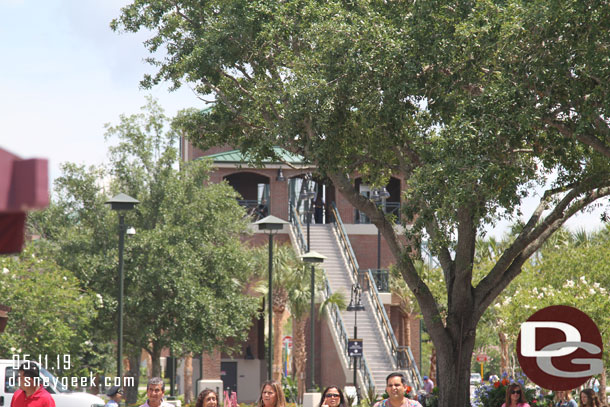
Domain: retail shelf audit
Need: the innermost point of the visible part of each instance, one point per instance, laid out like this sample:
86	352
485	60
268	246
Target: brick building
275	189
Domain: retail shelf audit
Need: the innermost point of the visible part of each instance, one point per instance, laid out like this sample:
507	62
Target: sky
65	73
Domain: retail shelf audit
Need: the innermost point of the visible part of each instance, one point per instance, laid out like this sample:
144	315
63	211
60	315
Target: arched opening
254	191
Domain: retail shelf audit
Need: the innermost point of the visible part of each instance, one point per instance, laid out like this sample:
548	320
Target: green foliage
50	314
289	385
182	268
420	90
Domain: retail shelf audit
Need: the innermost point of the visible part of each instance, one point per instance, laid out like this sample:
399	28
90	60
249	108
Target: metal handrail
397	354
383	318
296	221
335	314
347	247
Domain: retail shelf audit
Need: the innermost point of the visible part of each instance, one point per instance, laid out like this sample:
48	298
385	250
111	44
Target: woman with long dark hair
207	398
332	396
588	398
271	395
515	396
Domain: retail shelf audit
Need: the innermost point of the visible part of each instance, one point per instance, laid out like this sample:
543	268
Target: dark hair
153	381
593	400
280	400
342	401
30	369
509	390
403	379
204	393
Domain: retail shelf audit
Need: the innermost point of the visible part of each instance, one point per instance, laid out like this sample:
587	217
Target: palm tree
300	303
286	274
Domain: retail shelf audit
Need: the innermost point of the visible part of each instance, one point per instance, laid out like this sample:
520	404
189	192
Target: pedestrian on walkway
396	387
515	396
272	395
31	393
588	398
332	396
207	398
155	390
564	399
116	395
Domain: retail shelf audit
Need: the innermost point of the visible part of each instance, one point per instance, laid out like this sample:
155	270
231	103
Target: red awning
24	185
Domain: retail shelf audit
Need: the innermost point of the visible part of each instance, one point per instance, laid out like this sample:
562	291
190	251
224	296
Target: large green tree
180	290
473	104
51	313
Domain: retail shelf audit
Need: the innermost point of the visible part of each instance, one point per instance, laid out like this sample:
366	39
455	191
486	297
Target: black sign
354	348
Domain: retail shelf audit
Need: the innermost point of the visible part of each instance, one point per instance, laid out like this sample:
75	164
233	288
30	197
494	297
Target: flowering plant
494	394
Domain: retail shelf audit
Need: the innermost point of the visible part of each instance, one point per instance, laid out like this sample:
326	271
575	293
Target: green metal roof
236	156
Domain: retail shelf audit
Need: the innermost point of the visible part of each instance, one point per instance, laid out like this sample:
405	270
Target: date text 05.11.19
51	363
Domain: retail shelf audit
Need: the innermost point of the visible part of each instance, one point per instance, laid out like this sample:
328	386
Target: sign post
482	358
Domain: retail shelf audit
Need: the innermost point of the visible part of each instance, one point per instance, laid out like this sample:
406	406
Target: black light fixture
121	203
307	195
280	175
312	257
271	225
355	304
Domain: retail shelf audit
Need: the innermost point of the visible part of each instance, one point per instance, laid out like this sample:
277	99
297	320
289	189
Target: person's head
272	395
514	394
396	385
332	396
115	393
207	398
29	376
588	398
155	389
425	377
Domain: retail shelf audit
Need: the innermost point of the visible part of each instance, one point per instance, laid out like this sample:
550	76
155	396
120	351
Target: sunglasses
516	392
331	395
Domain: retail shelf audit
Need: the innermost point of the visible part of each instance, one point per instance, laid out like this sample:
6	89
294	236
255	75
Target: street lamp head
375	195
122	202
270	223
280	175
355	302
384	194
313	257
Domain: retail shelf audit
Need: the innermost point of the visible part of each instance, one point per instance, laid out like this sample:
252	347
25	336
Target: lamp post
312	257
121	203
307	195
270	224
355	304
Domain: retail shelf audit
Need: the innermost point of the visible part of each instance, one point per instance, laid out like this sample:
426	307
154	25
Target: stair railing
400	357
295	219
337	321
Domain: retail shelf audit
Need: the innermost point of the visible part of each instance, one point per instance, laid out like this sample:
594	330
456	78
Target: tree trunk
156	359
131	392
602	387
503	352
454	363
188	378
279	319
406	320
299	355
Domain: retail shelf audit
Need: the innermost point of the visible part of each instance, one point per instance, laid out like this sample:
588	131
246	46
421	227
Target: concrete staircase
376	353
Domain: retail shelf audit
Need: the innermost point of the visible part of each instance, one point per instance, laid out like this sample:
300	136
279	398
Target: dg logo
559	348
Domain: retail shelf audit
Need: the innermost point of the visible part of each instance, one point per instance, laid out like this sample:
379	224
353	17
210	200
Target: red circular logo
559	348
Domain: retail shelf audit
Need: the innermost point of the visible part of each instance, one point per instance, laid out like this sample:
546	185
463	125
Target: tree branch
587	139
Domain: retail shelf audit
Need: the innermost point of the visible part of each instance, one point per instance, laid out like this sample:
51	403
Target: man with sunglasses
396	387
